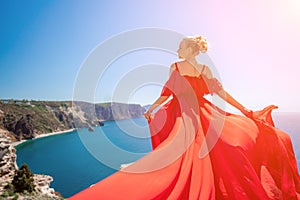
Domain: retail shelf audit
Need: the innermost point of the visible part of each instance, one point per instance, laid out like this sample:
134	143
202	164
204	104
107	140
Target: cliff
27	119
8	167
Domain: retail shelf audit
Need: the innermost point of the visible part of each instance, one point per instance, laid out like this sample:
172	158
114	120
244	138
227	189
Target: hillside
27	119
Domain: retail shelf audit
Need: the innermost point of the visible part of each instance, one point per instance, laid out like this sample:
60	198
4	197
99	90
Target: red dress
203	152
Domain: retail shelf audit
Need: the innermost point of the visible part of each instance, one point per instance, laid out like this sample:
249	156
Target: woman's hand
228	98
247	112
148	115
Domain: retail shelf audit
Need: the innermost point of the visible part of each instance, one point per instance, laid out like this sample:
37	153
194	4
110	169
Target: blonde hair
197	43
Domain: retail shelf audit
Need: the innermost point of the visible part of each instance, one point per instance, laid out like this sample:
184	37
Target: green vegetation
21	183
41	118
25	119
23	180
105	105
10	194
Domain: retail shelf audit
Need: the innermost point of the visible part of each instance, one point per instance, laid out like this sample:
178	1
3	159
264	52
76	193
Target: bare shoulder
207	72
172	68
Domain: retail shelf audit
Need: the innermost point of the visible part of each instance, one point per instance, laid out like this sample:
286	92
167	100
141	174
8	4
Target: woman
201	151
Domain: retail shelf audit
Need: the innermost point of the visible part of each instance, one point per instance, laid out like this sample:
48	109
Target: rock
26	120
101	123
8	158
24	127
42	184
1	118
117	111
8	167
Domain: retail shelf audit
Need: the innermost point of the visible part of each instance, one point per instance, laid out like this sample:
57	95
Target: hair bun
197	43
202	43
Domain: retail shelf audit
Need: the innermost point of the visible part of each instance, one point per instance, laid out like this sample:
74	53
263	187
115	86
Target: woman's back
188	79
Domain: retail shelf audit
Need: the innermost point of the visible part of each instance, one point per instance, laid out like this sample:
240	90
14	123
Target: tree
23	180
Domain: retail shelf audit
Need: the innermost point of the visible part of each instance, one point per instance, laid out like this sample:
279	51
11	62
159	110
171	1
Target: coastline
44	135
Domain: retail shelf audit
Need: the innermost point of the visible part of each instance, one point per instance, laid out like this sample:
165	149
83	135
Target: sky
254	46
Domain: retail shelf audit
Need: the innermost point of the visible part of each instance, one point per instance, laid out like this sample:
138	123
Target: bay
69	161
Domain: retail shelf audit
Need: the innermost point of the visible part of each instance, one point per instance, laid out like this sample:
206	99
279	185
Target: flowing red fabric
203	152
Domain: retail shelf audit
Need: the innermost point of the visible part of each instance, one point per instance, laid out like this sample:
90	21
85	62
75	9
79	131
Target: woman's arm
157	103
160	100
229	99
218	89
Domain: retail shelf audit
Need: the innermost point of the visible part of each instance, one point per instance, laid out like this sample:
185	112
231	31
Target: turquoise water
73	168
66	158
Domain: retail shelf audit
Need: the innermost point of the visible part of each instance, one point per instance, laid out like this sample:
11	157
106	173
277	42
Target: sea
81	158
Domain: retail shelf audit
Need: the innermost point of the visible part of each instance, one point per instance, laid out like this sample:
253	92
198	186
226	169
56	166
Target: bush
9	187
16	197
23	180
4	194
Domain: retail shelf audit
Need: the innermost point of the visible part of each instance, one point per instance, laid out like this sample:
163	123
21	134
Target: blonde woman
201	151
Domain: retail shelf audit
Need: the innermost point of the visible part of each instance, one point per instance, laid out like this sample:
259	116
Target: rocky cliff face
117	111
8	157
21	127
27	120
8	166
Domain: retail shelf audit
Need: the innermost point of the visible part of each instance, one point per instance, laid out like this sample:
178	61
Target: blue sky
253	44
